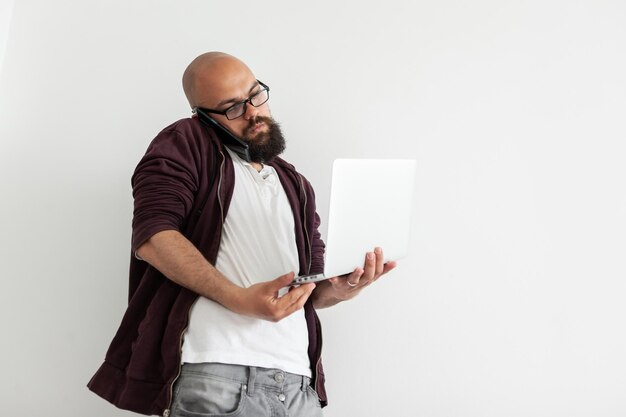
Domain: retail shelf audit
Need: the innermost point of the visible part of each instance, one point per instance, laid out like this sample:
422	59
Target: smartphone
228	139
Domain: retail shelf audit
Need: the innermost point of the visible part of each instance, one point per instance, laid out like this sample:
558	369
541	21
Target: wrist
324	295
229	295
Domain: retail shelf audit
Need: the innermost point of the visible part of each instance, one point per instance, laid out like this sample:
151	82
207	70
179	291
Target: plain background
511	302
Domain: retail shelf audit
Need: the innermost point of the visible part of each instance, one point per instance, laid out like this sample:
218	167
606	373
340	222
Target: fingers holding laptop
373	268
345	287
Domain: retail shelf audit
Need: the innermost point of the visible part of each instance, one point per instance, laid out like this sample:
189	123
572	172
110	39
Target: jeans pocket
206	396
313	393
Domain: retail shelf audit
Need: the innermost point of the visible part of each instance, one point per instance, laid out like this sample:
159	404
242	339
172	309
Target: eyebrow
234	100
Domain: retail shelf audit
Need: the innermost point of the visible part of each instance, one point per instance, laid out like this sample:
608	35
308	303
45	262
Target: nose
251	112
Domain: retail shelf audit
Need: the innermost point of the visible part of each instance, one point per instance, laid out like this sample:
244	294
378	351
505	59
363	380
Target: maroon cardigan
185	182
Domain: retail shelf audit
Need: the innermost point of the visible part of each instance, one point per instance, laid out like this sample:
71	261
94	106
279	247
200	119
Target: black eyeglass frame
244	102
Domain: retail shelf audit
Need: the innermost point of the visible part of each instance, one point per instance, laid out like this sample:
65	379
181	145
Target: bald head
209	78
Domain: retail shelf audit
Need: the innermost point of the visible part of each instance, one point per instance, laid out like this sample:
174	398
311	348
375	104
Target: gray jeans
213	389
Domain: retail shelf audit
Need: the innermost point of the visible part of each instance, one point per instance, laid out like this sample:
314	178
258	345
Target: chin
260	138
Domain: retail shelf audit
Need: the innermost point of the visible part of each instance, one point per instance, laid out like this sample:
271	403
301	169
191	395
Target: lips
255	128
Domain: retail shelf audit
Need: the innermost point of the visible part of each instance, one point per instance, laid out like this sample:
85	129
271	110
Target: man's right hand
177	258
262	300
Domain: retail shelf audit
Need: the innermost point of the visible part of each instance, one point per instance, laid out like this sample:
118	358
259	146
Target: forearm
179	260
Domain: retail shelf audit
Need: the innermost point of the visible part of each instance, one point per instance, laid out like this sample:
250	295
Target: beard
267	145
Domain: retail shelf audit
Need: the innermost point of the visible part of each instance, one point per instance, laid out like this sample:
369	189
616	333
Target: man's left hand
346	287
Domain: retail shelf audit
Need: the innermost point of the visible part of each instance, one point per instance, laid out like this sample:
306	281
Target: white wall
6	13
512	301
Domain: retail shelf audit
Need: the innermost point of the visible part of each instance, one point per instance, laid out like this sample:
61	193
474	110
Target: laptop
370	205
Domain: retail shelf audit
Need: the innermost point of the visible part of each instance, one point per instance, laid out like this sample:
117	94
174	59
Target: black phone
228	139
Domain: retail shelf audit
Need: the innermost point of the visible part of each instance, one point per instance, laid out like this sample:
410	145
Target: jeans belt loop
251	378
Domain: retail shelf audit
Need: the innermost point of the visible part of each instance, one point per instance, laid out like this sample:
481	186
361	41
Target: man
220	226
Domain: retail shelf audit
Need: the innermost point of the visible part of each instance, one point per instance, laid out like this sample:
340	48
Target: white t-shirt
258	244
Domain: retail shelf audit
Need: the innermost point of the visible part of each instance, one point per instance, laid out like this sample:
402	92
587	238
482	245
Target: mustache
258	119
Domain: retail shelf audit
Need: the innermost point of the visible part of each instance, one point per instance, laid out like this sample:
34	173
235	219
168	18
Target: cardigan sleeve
317	247
317	244
164	183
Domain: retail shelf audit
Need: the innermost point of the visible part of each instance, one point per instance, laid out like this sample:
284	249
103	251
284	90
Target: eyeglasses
239	109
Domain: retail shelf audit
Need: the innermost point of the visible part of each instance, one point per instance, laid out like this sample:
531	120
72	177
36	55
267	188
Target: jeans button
279	377
281	398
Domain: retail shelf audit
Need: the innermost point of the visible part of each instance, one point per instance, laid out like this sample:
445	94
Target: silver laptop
370	205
